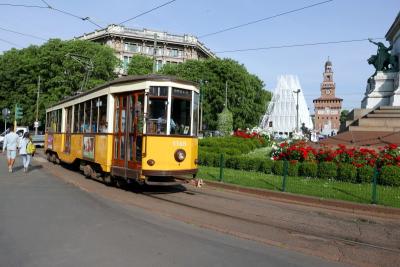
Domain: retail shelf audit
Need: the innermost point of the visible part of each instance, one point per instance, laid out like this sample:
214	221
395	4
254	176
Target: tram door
128	129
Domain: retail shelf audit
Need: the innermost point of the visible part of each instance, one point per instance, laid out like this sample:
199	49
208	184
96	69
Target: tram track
276	225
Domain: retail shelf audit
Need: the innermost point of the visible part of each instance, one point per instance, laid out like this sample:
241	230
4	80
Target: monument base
380	90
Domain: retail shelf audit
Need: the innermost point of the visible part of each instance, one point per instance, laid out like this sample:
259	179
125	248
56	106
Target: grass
329	189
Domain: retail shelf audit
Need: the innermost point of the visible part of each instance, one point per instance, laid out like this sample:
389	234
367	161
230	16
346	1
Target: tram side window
54	121
94	115
103	124
81	117
180	111
86	122
76	118
68	120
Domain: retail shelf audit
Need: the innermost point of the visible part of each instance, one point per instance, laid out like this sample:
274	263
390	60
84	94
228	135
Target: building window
125	62
158	65
174	53
130	47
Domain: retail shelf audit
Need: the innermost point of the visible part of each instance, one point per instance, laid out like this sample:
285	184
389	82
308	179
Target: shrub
266	166
365	174
308	169
293	168
277	167
390	175
242	163
254	164
347	173
211	159
231	162
327	170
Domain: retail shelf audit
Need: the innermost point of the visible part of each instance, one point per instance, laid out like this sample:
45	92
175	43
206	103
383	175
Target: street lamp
297	109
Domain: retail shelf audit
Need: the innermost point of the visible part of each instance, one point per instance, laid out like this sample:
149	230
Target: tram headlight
180	155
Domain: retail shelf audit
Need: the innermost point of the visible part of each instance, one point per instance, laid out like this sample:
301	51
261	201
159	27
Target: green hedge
308	169
347	172
277	167
365	174
390	175
327	170
230	145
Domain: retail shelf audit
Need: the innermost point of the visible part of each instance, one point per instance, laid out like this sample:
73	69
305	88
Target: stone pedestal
380	89
395	98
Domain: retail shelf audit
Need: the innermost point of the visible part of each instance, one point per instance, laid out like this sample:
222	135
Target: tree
246	96
343	116
225	122
60	75
140	65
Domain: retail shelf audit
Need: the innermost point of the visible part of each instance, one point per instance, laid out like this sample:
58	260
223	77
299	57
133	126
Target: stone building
327	107
170	48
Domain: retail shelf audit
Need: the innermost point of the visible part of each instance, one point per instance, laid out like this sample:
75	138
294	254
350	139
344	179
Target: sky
336	20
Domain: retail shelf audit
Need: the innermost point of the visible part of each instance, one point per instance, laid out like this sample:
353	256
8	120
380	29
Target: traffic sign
5	112
18	112
36	124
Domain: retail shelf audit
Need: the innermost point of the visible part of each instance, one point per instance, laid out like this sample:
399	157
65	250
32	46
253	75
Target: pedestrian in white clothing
10	143
26	157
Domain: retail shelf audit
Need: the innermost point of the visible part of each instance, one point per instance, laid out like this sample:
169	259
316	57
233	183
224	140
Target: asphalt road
45	221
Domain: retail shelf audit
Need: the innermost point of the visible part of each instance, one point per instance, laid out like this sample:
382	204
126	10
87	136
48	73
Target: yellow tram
141	128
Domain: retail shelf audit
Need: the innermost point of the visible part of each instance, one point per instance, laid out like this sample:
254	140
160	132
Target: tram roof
127	79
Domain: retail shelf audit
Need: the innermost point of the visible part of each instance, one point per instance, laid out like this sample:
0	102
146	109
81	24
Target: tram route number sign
179	143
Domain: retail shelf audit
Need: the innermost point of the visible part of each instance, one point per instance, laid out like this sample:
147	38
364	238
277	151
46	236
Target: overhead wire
22	5
148	11
296	45
264	19
48	6
8	42
24	34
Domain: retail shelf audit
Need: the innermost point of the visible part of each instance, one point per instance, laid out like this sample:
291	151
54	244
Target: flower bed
345	163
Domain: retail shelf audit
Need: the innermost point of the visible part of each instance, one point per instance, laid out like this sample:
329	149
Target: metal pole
297	109
221	167
37	107
374	178
15	117
285	173
226	94
154	54
201	108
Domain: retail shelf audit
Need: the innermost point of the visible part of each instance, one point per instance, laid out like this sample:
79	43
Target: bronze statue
383	60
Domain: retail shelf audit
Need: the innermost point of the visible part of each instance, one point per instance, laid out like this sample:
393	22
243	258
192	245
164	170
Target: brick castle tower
327	107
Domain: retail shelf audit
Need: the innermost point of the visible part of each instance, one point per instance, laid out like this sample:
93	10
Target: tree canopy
246	97
140	65
61	75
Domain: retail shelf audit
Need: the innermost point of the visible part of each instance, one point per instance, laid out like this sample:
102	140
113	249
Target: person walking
10	143
25	151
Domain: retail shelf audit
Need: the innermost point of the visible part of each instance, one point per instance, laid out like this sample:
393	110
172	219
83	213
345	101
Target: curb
356	208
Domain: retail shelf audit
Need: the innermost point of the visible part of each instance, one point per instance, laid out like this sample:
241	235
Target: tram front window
180	111
157	119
